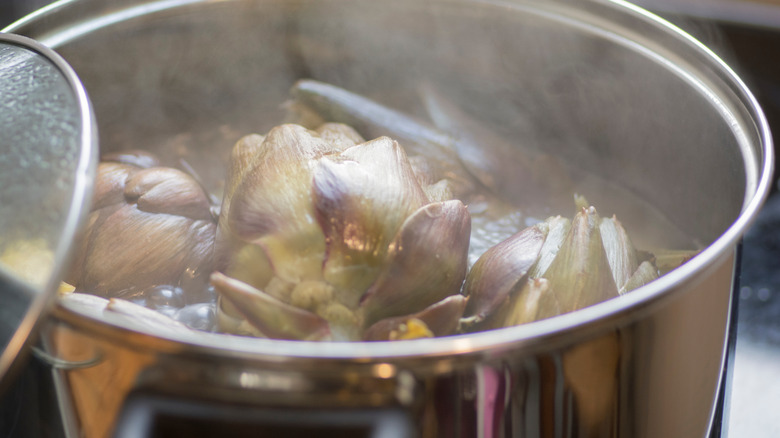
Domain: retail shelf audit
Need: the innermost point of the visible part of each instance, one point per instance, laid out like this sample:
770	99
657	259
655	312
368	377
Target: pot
602	84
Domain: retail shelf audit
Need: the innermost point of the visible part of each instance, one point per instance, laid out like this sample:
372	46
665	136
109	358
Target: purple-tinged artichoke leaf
423	170
644	274
361	200
580	275
271	205
110	184
273	195
272	317
499	271
440	318
621	254
426	262
242	158
155	249
169	191
439	191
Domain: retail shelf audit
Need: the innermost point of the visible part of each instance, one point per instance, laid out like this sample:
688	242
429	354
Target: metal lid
48	154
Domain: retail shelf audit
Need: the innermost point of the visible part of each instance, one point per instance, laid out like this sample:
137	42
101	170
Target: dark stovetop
746	34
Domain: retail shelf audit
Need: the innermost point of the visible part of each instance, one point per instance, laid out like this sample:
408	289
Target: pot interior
672	140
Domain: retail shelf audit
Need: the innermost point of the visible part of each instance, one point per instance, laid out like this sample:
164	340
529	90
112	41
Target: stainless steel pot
599	83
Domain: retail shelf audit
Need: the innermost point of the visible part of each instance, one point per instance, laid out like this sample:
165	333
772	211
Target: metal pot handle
147	413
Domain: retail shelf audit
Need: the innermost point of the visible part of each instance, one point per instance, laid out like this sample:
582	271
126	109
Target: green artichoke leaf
645	273
498	272
227	245
272	317
440	318
361	198
426	262
669	259
528	305
556	228
242	158
620	251
580	275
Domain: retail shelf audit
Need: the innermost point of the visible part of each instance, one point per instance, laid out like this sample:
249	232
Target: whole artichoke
325	236
149	225
554	267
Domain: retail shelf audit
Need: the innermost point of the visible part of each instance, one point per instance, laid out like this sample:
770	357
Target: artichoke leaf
169	191
620	251
276	186
497	273
556	229
155	249
426	262
669	259
374	120
440	319
272	207
528	305
339	136
361	199
270	316
110	184
580	275
644	274
126	311
242	158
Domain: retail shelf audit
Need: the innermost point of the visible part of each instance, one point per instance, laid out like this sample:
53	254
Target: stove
746	34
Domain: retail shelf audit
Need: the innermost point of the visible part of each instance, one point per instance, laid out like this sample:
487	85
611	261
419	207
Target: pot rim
759	162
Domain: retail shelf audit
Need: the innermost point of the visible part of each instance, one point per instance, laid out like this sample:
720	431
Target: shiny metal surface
647	377
603	84
47	160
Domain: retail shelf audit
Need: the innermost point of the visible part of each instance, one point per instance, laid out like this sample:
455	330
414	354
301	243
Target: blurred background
746	34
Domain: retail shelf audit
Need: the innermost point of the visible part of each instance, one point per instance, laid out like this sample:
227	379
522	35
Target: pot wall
652	373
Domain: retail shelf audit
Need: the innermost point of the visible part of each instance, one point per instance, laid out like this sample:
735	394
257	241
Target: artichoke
149	225
325	236
554	267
